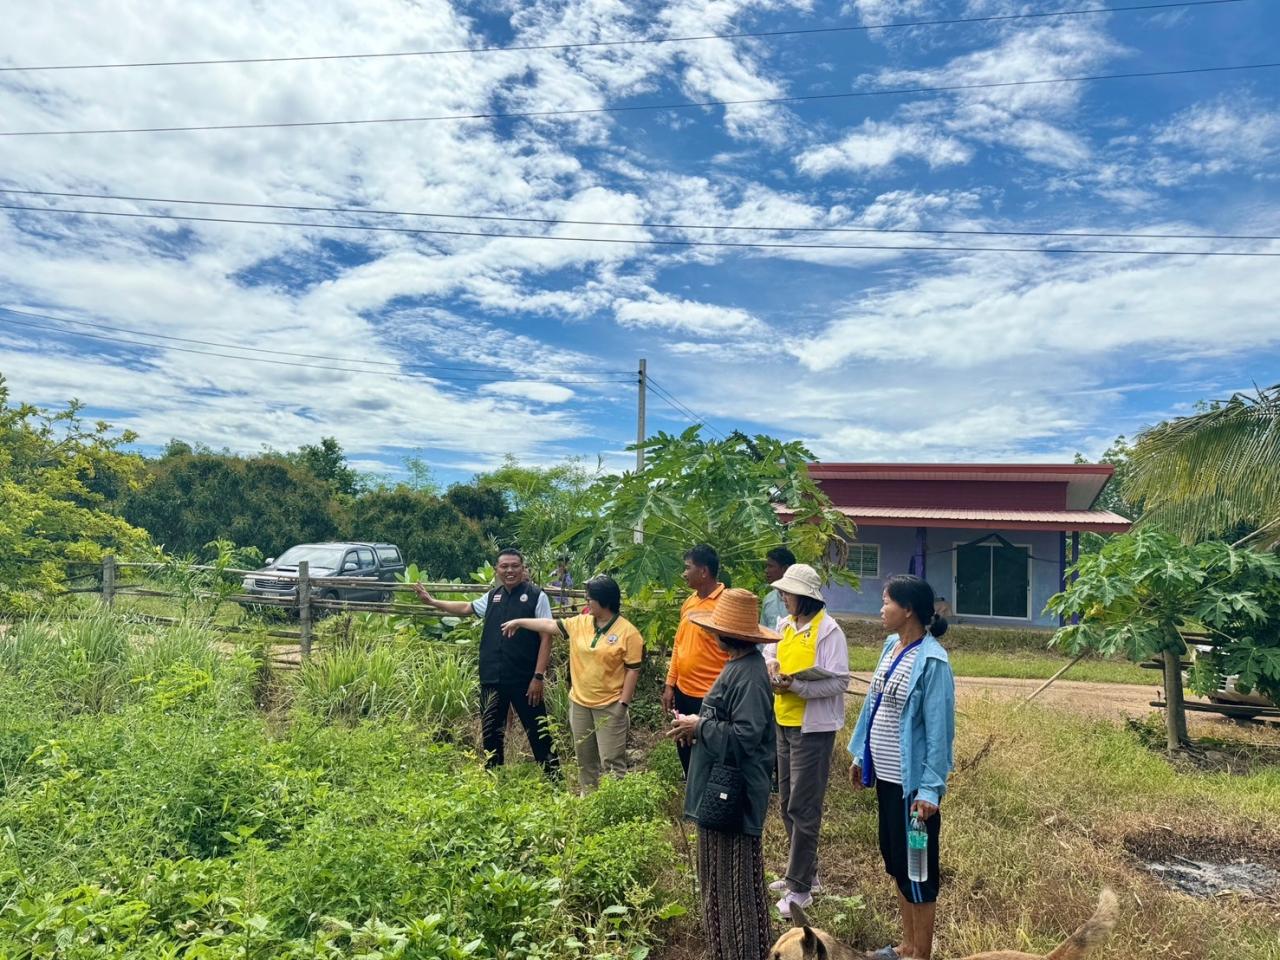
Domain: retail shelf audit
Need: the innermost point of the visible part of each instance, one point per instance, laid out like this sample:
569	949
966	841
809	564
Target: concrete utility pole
642	383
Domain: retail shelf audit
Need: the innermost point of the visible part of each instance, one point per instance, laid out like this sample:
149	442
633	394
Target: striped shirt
886	729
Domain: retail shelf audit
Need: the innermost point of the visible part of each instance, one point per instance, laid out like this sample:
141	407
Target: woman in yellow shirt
605	653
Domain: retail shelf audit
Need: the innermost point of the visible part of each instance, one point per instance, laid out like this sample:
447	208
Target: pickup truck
376	562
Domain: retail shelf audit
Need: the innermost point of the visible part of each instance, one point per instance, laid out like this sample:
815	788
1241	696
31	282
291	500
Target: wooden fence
302	599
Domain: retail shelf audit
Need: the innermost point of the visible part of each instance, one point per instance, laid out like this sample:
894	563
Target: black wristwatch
625	705
540	677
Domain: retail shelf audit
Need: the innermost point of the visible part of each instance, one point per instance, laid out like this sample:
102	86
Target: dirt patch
1244	864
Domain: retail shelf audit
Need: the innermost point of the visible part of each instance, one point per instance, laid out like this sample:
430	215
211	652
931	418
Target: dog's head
801	942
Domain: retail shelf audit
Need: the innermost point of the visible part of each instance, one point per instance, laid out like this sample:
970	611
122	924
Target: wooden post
304	607
108	581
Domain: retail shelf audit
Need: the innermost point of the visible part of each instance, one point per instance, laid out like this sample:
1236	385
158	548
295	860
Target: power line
630	108
680	407
646	241
636	41
43	328
308	356
559	221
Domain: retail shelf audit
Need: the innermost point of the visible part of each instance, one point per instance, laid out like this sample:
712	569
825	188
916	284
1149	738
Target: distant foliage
430	531
264	502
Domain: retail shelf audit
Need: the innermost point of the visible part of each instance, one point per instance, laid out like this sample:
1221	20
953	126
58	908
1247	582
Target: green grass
1035	823
1023	666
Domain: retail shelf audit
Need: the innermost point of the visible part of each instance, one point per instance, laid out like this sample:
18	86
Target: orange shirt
696	657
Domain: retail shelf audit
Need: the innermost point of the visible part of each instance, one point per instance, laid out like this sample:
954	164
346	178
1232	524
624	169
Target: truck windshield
327	557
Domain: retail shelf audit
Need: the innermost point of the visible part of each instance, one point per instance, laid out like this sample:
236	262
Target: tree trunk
1175	713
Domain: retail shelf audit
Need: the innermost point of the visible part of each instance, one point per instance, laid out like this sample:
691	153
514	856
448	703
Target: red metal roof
1082	482
1098	521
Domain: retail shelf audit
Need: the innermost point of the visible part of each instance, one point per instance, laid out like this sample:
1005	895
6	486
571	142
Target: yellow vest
797	651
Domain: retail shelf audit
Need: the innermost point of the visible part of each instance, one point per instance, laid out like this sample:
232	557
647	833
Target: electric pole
642	383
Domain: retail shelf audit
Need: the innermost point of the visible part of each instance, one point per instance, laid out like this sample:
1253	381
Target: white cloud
687	316
877	145
988	310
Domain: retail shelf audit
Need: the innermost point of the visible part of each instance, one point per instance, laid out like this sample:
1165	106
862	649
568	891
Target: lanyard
600	631
868	773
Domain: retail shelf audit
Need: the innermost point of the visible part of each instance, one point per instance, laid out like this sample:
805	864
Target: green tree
1143	590
487	506
1118	455
53	515
726	493
430	531
543	502
1208	474
328	463
265	502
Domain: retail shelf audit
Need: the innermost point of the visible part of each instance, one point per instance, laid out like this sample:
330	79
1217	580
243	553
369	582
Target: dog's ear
811	944
798	919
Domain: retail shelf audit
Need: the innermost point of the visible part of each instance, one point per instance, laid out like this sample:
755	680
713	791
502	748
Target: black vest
509	659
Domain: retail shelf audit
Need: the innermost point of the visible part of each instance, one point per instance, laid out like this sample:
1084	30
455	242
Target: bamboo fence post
304	608
108	581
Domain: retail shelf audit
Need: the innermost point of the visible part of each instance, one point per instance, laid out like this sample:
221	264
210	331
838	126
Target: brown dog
803	942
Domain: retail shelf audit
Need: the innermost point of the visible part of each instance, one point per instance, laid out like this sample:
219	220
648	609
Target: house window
993	580
864	560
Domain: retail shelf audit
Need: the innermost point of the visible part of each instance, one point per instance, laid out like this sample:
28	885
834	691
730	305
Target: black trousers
686	704
495	700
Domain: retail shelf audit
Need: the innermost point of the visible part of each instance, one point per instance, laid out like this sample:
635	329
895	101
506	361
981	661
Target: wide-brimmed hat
802	581
736	614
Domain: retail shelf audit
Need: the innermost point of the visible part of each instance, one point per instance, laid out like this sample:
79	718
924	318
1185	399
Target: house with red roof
993	539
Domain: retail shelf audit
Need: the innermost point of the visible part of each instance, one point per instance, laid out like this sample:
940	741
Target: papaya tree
732	494
1143	591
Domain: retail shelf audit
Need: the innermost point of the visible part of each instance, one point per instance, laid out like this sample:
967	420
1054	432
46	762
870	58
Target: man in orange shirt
696	657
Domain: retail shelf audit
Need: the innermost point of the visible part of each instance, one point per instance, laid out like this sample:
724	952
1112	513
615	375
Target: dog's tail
1092	932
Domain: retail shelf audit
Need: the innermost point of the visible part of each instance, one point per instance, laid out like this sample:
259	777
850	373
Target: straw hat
737	614
802	581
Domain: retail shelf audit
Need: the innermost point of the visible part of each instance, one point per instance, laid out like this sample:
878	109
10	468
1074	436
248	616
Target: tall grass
98	662
430	684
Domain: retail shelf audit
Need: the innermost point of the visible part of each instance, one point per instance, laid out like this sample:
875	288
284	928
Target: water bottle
917	851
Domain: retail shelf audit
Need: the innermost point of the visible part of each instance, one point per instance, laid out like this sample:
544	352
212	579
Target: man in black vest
512	669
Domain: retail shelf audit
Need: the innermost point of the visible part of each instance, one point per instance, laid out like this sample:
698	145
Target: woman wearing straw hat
810	672
734	727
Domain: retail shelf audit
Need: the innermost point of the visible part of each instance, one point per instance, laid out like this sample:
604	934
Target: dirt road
1108	701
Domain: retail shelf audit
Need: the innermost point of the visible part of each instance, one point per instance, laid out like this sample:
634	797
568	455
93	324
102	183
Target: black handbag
722	805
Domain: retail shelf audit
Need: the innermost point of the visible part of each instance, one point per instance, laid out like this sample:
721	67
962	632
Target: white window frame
863	547
955	582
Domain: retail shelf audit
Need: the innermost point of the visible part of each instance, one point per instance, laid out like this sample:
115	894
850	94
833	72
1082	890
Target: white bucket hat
801	580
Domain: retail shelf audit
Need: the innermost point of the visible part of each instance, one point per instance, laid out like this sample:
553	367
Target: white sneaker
779	886
802	900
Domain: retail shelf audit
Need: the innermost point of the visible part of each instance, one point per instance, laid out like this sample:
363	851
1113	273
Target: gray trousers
804	766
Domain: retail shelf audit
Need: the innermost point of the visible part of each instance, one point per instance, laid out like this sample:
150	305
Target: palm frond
1206	474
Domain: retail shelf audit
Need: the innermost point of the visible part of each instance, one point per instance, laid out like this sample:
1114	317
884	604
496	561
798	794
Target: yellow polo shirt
696	657
599	658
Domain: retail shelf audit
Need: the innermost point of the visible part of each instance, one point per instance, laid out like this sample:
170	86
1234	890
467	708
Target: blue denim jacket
928	722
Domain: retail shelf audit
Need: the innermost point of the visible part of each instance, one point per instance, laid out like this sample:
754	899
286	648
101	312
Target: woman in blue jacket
902	746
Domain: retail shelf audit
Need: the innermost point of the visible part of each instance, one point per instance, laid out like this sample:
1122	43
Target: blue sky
866	355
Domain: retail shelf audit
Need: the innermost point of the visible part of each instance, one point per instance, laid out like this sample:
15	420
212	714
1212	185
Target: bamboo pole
1052	680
